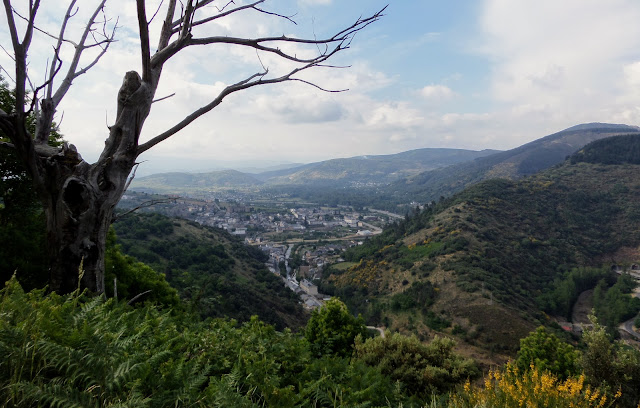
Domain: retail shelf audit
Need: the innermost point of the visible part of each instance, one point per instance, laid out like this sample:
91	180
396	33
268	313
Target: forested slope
213	270
476	265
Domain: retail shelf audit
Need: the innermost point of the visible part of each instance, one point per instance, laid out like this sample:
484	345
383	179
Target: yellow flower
619	393
467	386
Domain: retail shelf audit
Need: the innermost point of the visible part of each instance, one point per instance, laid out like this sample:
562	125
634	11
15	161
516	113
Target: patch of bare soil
624	255
582	308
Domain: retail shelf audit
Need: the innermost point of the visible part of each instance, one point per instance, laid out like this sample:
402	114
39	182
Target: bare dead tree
78	197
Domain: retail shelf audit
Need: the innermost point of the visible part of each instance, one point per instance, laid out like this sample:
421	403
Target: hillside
512	164
366	170
476	266
210	268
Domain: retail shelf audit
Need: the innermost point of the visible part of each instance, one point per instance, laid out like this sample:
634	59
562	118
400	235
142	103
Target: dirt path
582	308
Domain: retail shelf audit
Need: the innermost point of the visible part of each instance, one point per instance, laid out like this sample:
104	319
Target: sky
481	74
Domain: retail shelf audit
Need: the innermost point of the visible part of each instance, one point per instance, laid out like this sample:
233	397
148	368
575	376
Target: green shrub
331	330
422	369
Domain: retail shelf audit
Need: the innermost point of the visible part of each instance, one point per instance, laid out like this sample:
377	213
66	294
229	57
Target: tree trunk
79	198
78	219
79	210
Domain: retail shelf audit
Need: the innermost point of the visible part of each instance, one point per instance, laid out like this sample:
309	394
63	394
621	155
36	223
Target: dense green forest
618	150
215	272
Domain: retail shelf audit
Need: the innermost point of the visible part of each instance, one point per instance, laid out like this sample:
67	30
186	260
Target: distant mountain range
170	183
355	171
420	175
380	169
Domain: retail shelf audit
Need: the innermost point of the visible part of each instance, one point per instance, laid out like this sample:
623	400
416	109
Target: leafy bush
565	291
511	387
134	278
422	369
420	295
547	352
614	305
611	365
331	330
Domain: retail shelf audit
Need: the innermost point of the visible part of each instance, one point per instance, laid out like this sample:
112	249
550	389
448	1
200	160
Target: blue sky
462	74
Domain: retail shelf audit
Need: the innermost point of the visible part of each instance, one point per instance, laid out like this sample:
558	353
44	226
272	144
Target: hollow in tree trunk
79	198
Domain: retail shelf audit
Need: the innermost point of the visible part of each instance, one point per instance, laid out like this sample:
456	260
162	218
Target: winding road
379	329
628	325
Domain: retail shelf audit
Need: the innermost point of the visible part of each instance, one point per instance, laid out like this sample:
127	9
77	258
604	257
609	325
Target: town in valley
301	239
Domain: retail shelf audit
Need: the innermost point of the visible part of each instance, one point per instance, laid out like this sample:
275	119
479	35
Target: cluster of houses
314	259
252	224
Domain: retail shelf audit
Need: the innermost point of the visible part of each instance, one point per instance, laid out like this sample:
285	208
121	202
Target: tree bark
79	199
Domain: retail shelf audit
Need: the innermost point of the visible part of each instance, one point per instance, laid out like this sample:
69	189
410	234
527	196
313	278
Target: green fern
81	351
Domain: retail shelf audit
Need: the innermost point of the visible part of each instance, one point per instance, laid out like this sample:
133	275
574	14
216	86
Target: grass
343	266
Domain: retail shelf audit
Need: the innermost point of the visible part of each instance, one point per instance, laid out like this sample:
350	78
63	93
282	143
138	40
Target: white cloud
300	107
453	119
550	65
632	73
394	115
556	64
558	51
401	137
437	93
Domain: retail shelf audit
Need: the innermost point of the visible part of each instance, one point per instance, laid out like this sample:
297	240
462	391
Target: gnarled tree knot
130	85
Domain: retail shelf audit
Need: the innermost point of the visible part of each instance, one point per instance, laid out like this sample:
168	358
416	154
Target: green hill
216	272
512	164
479	264
619	150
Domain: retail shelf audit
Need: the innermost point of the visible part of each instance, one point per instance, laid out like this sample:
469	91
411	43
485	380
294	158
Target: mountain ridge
365	169
512	164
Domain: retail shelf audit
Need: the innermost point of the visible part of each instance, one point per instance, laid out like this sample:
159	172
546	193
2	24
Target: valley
308	238
319	204
467	278
475	265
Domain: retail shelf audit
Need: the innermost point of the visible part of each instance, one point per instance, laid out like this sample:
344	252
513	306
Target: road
379	329
287	255
374	230
628	325
390	214
634	273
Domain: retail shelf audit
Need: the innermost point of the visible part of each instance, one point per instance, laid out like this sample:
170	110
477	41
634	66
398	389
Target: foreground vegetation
82	351
79	351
